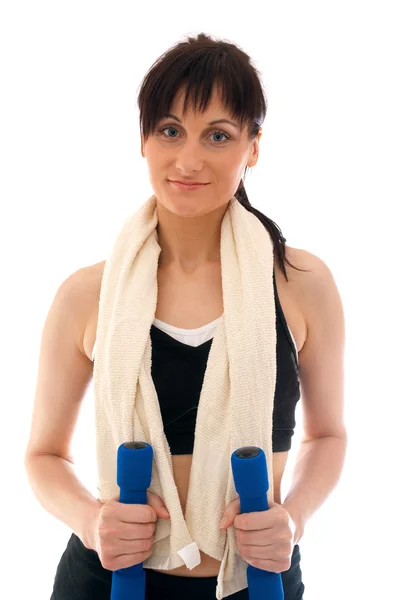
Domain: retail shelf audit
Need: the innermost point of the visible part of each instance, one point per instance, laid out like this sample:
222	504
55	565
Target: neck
189	243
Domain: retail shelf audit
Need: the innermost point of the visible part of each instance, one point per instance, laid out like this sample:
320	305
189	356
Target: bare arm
60	492
63	376
322	451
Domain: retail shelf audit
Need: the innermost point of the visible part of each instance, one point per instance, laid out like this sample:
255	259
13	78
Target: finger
254	520
256	551
280	555
143	513
264	537
253	538
271	566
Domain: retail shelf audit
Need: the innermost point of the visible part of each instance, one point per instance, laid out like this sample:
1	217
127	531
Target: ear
255	150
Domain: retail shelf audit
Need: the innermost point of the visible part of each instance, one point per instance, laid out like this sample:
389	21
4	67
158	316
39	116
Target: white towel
236	401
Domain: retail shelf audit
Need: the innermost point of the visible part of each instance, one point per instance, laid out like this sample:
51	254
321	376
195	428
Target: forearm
59	491
316	472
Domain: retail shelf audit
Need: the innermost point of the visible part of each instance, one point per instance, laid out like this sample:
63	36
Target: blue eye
215	131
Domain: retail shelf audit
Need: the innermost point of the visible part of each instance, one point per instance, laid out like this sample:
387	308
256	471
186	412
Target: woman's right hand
124	533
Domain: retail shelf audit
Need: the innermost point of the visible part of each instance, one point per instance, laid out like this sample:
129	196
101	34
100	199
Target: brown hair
200	63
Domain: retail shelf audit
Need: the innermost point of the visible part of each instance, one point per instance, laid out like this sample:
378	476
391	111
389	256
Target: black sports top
178	371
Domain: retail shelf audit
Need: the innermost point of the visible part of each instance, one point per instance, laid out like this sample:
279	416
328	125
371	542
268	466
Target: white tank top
191	337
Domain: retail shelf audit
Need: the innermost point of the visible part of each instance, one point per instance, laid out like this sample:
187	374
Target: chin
183	205
187	209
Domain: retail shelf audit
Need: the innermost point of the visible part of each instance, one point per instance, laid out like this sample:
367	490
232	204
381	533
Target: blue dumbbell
134	474
249	468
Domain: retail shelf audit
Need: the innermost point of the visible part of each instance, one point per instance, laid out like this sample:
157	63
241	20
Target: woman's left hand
264	539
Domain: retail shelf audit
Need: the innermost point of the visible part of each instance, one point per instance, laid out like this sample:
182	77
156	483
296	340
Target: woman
208	143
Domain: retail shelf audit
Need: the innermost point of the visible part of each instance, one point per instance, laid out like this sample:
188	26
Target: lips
187	187
187	182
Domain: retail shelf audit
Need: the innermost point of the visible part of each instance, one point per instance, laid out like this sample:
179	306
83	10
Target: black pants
81	576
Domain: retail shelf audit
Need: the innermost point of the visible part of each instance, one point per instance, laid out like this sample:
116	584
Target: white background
71	171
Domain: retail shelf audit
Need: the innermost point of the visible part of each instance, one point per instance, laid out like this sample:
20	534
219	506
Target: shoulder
82	283
79	295
315	286
312	294
321	306
316	278
303	259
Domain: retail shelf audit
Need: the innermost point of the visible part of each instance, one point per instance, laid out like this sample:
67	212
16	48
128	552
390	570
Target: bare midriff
209	566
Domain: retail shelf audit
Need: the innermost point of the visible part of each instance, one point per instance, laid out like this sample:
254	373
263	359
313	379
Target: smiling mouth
189	182
187	186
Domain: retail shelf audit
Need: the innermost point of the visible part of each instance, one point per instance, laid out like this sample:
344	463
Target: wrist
297	521
88	530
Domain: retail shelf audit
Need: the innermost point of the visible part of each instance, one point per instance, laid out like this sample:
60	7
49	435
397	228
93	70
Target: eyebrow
168	115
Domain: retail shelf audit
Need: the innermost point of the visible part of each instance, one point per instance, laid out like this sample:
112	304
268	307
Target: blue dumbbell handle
249	467
134	474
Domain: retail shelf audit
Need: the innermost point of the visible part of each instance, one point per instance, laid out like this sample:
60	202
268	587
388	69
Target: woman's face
192	149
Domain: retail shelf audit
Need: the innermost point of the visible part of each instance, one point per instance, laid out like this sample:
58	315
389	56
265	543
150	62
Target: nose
190	158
